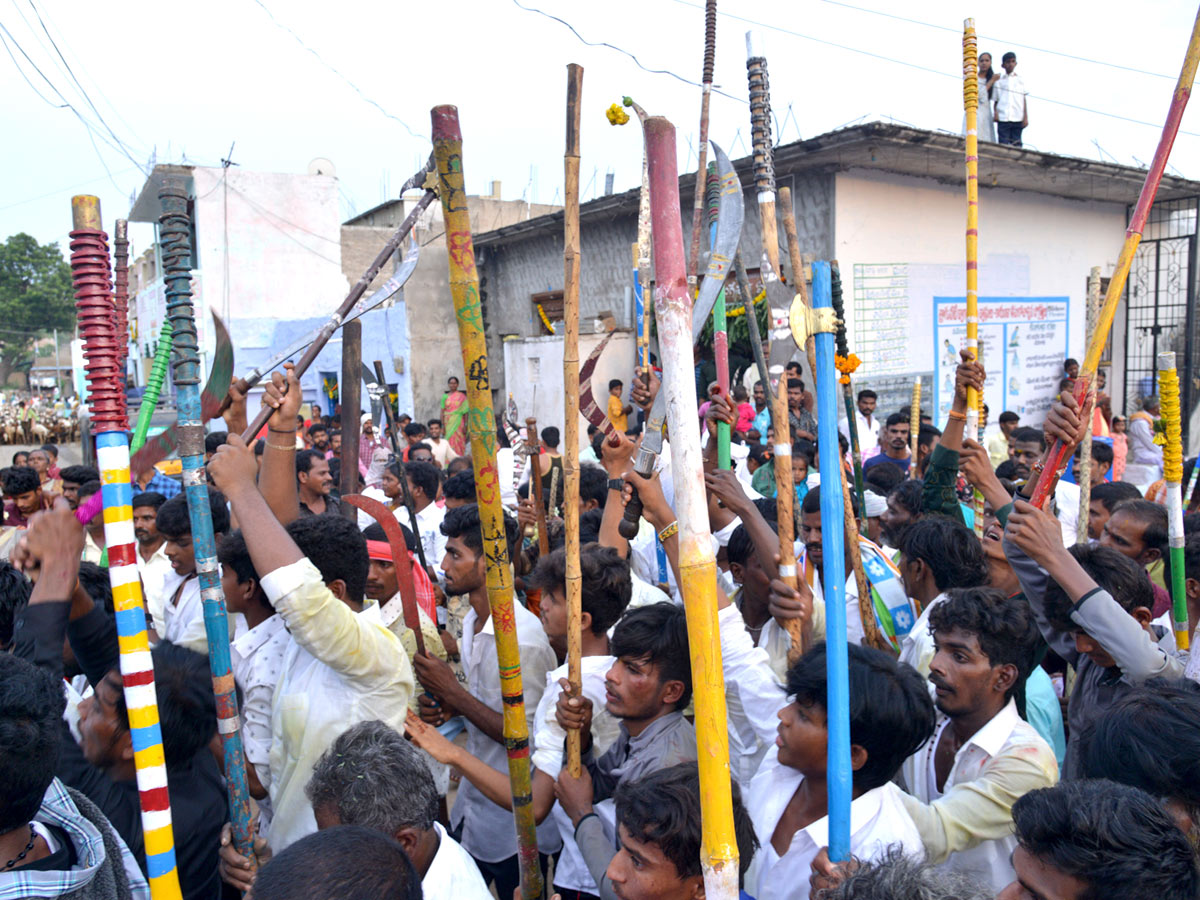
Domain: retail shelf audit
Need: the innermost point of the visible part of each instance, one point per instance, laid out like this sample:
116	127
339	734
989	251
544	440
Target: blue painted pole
833	579
176	253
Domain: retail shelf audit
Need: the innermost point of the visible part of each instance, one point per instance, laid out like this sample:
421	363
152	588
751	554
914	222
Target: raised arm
277	481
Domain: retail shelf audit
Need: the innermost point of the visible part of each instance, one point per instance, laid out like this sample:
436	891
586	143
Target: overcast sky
184	81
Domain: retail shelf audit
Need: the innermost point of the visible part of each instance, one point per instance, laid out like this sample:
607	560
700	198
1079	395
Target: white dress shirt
1009	93
548	736
429	524
442	451
452	874
183	620
157	574
488	833
968	824
340	668
916	647
868	431
878	822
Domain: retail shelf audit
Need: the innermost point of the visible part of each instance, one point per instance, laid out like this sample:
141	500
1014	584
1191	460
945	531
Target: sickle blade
587	401
404	576
220	373
731	211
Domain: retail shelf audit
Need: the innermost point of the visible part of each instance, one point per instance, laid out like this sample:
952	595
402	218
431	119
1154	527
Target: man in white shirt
372	776
152	562
423	483
342	666
787	799
866	423
442	451
484	828
982	756
1012	108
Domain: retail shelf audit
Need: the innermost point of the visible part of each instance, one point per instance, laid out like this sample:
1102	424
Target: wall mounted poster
1023	343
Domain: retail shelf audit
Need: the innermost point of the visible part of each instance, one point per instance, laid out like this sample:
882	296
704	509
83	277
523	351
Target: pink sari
454	414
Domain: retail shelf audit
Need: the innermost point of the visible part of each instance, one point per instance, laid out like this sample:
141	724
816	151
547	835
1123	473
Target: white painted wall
1030	245
283	234
533	369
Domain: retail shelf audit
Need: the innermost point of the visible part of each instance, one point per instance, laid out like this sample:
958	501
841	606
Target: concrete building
888	202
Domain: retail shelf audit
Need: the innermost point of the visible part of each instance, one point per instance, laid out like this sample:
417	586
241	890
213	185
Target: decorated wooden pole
175	232
1083	469
1168	396
971	107
833	579
764	160
106	399
464	287
158	374
121	295
914	426
720	325
574	579
1047	471
846	363
697	563
698	201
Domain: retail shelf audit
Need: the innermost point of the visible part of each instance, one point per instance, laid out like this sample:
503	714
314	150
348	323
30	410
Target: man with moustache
894	447
153	564
315	483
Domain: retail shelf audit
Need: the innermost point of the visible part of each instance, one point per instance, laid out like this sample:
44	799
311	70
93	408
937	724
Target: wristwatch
616	484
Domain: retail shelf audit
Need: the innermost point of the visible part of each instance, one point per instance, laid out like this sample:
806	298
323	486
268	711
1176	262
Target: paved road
68	454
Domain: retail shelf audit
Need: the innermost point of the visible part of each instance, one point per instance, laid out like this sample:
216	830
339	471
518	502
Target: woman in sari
454	415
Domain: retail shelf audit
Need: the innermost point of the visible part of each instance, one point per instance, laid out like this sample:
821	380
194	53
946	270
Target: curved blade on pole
404	577
731	211
587	400
376	391
220	372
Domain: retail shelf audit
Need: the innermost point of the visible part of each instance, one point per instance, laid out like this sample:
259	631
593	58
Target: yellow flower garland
616	115
545	319
846	365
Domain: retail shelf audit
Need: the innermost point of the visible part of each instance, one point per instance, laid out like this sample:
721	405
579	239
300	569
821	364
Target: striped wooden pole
464	287
93	301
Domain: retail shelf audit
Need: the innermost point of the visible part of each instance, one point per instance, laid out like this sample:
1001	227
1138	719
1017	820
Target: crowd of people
1022	724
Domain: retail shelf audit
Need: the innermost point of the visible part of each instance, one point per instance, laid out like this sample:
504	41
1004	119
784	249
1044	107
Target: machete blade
587	401
731	211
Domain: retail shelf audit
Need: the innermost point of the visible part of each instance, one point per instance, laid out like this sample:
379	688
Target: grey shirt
1139	655
666	742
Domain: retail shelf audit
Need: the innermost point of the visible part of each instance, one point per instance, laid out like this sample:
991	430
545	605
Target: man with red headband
383	586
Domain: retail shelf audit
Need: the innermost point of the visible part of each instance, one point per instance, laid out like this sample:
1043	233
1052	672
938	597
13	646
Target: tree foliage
35	297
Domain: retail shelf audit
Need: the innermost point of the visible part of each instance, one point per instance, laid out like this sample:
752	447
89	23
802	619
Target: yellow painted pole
914	426
574	580
481	424
971	106
697	563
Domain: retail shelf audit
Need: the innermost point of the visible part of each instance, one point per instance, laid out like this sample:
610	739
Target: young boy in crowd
183	609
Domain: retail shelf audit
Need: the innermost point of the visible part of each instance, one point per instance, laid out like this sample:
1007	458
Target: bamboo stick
971	107
351	397
697	563
535	486
571	241
710	49
1168	395
185	372
1083	470
1049	468
464	287
833	581
90	278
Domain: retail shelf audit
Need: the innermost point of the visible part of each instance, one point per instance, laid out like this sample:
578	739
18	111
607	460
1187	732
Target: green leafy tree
35	297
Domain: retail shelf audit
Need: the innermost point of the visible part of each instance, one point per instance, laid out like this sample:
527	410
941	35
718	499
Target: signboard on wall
1023	343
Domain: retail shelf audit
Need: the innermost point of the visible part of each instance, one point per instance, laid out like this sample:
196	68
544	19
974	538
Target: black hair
462	522
593	484
1007	56
806	448
232	553
663	808
867	394
1125	581
812	503
423	475
15	589
50	448
658	634
173	521
884	476
606	582
420	445
1116	839
458	464
550	436
95	583
88	488
1112	493
951	551
615	383
910	495
414	429
1101	453
21	480
1007	470
305	460
891	713
1027	435
1148	739
315	427
152	499
1004	626
79	474
589	527
1008	416
214	440
375	532
760	453
926	433
31	708
740	547
343	861
1153	517
460	486
336	547
437	422
898	418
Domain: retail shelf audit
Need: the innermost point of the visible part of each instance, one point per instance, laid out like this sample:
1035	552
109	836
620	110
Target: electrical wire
636	61
957	76
69	187
267	212
327	65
